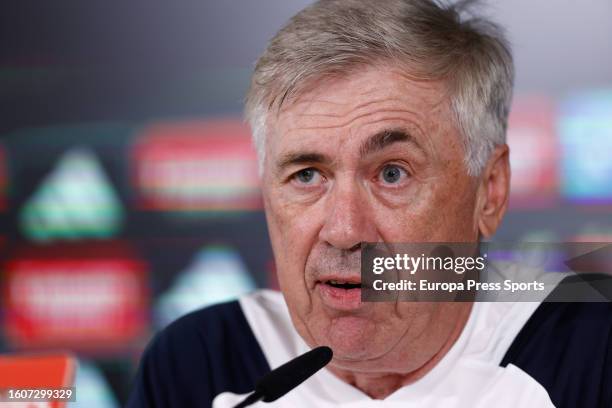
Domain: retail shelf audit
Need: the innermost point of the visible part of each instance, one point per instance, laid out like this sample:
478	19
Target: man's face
373	157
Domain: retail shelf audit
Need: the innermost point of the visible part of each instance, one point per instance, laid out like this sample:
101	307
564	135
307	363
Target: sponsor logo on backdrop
75	296
196	166
75	201
216	274
533	152
586	142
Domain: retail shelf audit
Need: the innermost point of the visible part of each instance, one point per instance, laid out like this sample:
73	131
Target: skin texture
325	193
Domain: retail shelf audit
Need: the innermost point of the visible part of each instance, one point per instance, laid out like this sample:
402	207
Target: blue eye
391	174
306	176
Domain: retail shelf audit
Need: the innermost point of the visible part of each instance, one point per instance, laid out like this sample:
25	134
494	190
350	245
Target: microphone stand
283	379
250	399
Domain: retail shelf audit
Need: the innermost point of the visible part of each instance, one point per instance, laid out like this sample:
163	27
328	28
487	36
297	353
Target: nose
349	217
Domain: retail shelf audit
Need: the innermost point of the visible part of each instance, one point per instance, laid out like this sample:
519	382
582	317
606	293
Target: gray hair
430	39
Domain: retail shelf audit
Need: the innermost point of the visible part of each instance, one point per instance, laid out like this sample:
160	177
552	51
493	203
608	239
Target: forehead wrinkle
318	93
350	109
309	101
349	121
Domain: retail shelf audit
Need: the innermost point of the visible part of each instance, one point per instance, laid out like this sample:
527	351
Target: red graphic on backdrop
79	297
534	152
196	166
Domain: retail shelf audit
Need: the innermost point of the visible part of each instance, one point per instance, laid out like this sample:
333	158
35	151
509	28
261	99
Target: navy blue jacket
566	347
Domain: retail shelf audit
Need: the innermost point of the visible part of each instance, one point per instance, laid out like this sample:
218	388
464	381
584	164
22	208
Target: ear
493	191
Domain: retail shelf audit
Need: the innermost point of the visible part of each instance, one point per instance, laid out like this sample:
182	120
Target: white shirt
469	375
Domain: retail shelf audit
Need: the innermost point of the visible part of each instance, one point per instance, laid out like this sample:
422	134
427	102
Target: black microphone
283	379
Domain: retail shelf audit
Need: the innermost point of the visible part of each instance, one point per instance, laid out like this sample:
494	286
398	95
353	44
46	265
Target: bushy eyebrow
373	144
386	138
290	159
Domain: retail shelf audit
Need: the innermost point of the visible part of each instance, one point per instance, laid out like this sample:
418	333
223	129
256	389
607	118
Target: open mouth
343	285
340	293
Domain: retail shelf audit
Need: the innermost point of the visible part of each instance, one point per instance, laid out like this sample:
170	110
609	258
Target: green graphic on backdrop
75	201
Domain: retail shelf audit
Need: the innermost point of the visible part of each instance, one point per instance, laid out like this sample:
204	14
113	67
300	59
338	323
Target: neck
379	385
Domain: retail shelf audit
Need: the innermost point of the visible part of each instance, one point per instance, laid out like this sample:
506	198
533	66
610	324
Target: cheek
417	221
453	221
459	211
438	213
292	234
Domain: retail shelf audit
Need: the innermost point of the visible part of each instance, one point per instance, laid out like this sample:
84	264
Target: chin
350	351
351	339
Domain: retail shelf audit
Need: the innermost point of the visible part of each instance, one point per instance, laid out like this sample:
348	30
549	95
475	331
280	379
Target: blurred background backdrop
128	186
